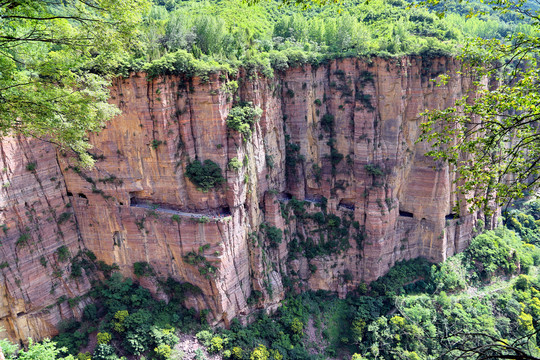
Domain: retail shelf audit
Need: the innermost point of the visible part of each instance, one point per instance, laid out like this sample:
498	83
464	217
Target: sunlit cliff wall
364	167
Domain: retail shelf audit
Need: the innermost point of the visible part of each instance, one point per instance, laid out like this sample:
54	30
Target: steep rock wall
39	235
332	162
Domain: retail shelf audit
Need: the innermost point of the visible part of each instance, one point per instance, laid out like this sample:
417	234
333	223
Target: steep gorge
369	196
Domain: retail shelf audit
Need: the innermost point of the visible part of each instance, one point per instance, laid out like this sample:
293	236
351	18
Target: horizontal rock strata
333	163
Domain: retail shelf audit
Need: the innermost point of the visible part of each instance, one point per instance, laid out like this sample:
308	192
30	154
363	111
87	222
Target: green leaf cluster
53	58
241	118
205	175
130	319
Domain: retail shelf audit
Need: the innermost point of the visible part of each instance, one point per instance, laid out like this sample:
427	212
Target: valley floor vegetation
486	298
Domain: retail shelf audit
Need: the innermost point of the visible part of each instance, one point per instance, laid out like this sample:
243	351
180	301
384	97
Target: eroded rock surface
333	163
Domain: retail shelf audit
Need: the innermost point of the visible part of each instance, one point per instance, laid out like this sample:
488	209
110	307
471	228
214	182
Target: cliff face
332	163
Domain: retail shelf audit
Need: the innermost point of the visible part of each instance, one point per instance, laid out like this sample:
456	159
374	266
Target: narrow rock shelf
213	217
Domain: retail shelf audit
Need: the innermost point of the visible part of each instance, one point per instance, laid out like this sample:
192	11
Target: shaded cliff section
332	164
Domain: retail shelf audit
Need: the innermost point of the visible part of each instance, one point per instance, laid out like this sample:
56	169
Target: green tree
53	58
490	136
260	353
45	350
103	338
237	352
163	351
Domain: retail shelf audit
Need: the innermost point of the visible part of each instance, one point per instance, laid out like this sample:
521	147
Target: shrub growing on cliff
142	268
374	169
206	175
241	118
64	217
335	157
235	164
274	236
62	253
22	240
31	166
327	123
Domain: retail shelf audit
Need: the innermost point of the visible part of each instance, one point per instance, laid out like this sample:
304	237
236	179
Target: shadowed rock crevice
406	214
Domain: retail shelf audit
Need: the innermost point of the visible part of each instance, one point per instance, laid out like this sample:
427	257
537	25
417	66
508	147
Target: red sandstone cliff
393	202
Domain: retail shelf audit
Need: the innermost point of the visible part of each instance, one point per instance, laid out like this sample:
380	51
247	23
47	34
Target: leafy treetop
52	58
490	136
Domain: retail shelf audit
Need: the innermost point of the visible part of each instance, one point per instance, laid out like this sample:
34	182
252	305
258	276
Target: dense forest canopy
270	34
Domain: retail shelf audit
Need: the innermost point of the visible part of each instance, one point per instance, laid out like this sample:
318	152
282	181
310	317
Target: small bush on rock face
235	164
274	235
142	268
327	122
31	166
63	253
206	175
241	118
374	170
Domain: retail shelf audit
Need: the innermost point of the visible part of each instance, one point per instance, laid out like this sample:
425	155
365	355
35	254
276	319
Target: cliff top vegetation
54	83
222	35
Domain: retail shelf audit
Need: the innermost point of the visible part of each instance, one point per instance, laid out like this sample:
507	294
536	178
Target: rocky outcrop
333	163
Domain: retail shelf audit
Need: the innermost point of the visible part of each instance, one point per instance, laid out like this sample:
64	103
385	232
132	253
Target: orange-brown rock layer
363	168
